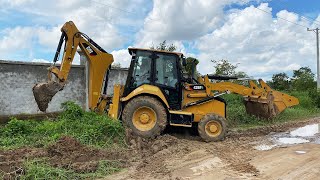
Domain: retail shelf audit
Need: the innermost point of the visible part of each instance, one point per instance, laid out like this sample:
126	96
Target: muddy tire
212	127
145	116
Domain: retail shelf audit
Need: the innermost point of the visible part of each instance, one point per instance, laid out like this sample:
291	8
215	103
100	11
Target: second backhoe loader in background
156	93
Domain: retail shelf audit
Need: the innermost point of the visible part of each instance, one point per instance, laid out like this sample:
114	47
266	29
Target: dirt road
262	153
182	156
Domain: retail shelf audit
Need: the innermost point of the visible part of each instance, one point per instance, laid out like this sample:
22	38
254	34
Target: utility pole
318	69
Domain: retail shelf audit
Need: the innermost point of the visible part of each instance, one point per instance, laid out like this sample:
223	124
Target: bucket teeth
270	105
43	93
263	110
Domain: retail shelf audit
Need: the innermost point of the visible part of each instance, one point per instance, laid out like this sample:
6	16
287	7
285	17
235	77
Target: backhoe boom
99	64
259	101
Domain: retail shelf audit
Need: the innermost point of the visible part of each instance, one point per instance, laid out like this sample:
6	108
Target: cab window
166	70
142	68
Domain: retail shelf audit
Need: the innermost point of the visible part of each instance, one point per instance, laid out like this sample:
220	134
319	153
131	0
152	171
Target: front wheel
212	127
145	116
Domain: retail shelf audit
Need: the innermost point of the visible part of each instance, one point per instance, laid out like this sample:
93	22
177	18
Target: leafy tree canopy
163	46
303	79
280	81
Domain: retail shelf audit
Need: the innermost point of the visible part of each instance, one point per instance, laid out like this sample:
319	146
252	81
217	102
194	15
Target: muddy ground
66	153
181	155
184	156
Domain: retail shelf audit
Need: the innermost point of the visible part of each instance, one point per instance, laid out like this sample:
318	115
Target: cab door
167	78
139	71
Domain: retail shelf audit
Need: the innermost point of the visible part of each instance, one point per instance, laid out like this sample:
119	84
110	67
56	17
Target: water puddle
309	130
290	140
306	134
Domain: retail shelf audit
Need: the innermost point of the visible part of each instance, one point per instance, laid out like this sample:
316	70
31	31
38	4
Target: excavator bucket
43	93
269	103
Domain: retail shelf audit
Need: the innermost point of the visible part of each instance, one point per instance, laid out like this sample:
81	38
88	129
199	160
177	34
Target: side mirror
184	61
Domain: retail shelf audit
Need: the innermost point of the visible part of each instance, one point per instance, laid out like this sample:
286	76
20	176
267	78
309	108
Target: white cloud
15	39
15	2
261	44
178	20
49	37
122	56
208	29
97	18
40	61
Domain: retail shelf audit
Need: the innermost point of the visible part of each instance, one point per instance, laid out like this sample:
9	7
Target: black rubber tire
152	103
207	118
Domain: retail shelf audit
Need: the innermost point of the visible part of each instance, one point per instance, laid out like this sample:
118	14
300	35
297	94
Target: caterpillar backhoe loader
156	93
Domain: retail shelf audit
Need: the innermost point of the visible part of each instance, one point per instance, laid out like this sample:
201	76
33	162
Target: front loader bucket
270	106
43	93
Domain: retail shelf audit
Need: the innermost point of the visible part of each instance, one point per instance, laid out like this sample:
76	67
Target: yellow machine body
147	105
147	90
200	110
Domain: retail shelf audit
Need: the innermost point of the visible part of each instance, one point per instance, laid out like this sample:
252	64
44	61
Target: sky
262	37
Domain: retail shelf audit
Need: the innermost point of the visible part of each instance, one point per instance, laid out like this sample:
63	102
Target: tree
280	81
163	46
188	67
241	74
303	79
224	67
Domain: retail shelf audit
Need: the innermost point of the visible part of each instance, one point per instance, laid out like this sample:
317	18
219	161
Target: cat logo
198	87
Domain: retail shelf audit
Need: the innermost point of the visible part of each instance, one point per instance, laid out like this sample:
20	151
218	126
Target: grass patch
97	131
88	127
40	169
100	131
238	118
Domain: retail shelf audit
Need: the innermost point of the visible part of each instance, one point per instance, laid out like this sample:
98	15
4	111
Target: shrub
71	111
314	94
88	127
17	127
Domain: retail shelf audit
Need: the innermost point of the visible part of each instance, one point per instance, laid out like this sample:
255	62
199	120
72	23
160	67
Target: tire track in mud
170	156
162	157
67	153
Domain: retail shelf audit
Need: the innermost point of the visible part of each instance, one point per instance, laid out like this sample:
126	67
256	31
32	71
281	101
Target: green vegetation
225	68
238	118
163	46
88	127
97	131
40	169
315	97
302	80
300	85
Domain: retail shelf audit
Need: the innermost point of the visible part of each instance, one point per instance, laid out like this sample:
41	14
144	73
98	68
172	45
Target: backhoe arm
260	101
99	63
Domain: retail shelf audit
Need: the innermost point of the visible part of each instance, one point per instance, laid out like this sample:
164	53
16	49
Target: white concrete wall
18	78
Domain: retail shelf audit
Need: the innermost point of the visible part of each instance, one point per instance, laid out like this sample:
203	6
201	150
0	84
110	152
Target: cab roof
153	50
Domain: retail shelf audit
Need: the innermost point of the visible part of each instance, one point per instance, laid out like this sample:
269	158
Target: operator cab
158	68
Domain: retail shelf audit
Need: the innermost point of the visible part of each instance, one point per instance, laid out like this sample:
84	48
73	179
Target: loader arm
260	101
99	64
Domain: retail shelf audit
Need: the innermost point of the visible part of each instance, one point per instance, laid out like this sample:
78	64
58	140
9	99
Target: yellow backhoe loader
156	93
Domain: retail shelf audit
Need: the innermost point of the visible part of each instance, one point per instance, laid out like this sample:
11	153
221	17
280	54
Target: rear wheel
212	127
145	116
